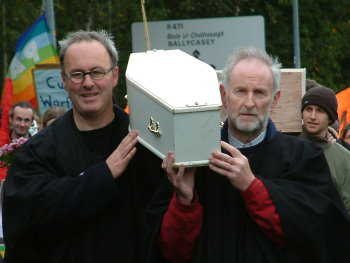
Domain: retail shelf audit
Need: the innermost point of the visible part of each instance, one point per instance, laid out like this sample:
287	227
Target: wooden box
287	113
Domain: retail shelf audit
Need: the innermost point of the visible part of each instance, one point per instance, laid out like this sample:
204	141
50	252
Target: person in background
36	124
21	119
319	110
332	133
266	197
51	114
15	124
345	134
77	190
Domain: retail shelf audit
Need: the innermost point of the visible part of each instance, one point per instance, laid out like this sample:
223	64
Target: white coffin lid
177	81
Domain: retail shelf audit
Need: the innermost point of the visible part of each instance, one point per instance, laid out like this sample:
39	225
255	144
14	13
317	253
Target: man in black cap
332	134
319	110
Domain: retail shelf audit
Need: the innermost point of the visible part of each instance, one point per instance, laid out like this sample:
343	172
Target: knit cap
324	98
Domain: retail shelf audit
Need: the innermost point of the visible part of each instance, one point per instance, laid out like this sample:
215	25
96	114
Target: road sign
211	40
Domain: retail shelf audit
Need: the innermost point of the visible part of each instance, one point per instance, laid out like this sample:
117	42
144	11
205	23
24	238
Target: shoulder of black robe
315	222
60	200
313	218
298	179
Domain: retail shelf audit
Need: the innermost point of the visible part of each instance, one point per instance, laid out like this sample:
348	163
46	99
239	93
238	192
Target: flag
343	98
5	137
35	46
6	107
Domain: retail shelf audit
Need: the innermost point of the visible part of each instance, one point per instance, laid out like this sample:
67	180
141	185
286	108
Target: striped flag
35	46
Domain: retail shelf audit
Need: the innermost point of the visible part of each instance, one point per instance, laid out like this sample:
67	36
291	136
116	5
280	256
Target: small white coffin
174	102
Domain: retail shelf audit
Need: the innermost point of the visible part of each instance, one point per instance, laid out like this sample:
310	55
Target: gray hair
252	53
101	36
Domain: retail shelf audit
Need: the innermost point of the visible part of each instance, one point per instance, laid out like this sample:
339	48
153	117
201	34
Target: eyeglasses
95	74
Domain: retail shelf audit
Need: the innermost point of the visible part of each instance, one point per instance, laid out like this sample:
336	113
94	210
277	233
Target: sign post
211	40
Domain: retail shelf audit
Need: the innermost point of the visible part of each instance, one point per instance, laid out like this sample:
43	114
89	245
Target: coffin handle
196	104
154	127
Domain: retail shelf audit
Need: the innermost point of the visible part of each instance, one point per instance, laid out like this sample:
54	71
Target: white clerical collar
238	144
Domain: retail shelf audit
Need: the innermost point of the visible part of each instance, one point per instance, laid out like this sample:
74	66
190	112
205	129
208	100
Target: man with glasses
77	190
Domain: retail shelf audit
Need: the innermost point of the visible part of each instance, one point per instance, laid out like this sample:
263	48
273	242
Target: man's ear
223	96
64	78
275	99
115	72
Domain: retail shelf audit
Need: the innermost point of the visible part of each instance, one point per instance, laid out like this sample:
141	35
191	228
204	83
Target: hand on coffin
235	167
120	158
182	178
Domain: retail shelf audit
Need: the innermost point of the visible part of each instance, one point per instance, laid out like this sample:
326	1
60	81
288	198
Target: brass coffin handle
153	127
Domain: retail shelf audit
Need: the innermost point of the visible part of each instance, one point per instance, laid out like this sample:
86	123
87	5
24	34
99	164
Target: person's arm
80	199
237	170
61	204
263	211
180	229
182	222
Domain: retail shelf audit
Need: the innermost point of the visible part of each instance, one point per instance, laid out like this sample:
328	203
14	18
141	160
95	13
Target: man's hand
236	167
120	158
331	135
182	179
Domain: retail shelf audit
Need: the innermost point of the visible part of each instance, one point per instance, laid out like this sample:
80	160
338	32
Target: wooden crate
287	114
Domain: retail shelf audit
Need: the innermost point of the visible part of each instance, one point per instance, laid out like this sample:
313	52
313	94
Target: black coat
297	177
61	203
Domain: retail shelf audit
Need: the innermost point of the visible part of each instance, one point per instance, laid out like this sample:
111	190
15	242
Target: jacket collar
270	131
